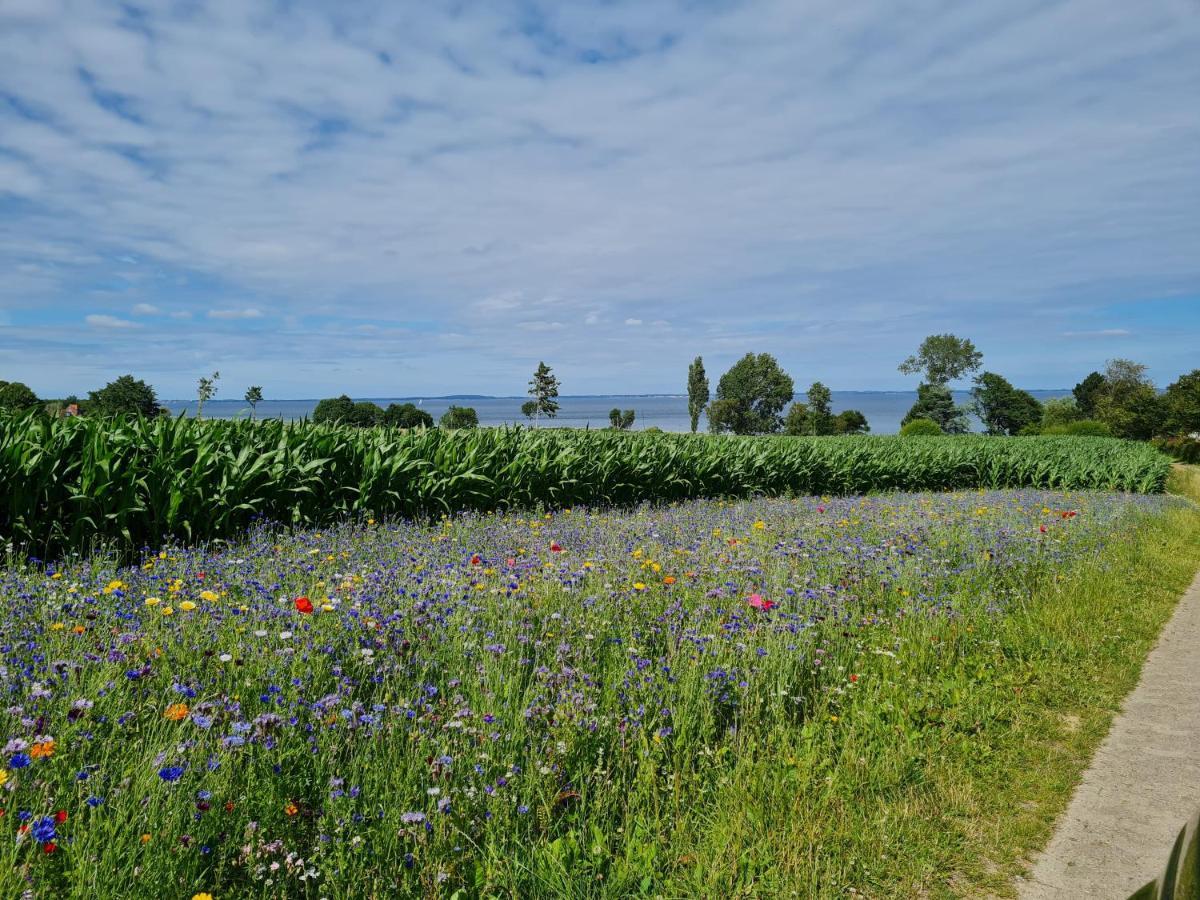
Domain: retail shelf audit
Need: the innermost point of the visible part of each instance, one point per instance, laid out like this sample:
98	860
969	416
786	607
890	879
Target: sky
402	199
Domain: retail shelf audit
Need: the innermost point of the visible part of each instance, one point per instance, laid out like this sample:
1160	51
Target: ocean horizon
884	409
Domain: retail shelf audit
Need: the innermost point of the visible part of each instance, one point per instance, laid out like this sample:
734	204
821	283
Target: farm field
76	484
767	697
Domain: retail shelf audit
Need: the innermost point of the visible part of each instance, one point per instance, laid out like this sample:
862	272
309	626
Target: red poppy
49	847
555	548
511	561
60	816
1042	529
758	601
820	509
304	605
854	678
475	560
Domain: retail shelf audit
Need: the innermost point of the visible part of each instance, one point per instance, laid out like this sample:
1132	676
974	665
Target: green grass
912	728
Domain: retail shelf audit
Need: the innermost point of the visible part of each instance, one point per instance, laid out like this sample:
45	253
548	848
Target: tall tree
16	395
1129	403
796	420
942	358
820	409
751	396
459	417
206	389
621	421
1182	401
1086	393
1002	408
850	421
543	388
697	391
253	397
936	403
123	396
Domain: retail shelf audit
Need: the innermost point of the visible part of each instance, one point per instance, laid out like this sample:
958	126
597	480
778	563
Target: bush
1184	449
1088	428
334	409
920	428
459	417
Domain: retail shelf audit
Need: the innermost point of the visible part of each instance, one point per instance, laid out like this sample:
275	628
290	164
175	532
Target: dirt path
1143	784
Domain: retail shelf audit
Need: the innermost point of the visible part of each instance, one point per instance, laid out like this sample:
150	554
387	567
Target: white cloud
633	321
109	322
146	309
250	313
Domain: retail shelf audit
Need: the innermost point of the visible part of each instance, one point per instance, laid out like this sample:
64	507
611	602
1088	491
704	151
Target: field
760	698
77	484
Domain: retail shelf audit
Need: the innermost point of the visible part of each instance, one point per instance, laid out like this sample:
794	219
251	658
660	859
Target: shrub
1184	449
920	428
459	417
406	415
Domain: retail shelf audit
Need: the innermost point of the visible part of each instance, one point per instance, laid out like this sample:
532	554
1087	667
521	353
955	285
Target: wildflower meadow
767	697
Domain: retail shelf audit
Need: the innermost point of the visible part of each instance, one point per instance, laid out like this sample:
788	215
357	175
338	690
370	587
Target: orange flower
291	809
42	750
176	712
670	579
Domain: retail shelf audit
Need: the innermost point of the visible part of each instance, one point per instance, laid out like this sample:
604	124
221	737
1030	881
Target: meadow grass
891	694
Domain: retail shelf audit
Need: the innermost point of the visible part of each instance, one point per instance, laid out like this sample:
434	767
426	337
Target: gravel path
1143	784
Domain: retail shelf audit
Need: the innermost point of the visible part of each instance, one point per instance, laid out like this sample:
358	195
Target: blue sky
421	198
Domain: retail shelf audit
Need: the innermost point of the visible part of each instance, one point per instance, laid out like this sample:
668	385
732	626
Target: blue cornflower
43	830
18	761
93	802
170	773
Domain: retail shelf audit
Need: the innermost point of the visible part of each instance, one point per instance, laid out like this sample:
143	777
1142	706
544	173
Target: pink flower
758	601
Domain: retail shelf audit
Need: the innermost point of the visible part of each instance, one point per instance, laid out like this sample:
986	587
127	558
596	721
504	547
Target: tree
621	421
1086	393
1002	408
1182	402
1128	403
406	415
751	397
334	409
123	396
1058	412
820	409
529	409
920	428
850	421
206	389
796	420
697	391
936	403
16	395
253	397
365	414
459	417
543	388
942	358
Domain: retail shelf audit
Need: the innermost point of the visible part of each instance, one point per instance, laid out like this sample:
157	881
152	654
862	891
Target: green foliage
1002	408
15	395
820	410
459	417
67	483
1184	449
850	421
254	397
936	403
206	389
621	421
529	409
942	358
920	428
406	415
1087	428
1060	412
123	396
751	397
334	409
1128	402
543	388
1086	393
1182	402
795	423
365	414
697	388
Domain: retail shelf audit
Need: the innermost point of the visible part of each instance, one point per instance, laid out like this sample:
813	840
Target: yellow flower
176	712
152	601
56	575
57	626
145	838
187	605
327	607
3	776
760	525
202	896
168	611
209	596
639	586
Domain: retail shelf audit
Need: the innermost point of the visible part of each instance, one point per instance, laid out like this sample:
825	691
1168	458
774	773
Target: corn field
76	484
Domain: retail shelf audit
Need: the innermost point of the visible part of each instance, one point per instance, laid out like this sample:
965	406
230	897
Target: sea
883	409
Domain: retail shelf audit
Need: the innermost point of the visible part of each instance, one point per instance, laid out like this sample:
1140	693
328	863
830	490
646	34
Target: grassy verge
1185	481
769	698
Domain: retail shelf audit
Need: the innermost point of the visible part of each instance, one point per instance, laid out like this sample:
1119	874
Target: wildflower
412	818
669	580
49	847
176	712
43	830
208	597
203	895
3	777
291	809
555	547
152	601
145	838
187	605
168	611
303	605
60	816
18	761
42	749
639	586
757	601
170	774
476	561
760	525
